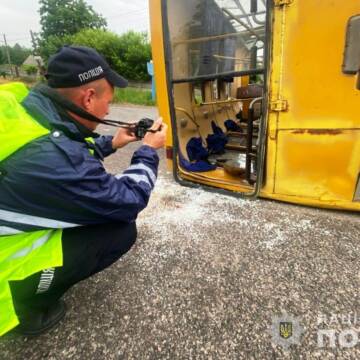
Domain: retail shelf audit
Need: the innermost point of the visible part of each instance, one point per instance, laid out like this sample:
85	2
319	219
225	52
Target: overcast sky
19	16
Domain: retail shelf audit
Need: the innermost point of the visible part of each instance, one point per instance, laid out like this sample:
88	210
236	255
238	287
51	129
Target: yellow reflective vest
23	254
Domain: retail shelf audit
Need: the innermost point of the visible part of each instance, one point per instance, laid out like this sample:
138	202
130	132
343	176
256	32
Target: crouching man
63	218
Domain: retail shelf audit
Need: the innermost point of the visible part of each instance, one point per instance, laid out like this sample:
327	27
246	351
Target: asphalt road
209	278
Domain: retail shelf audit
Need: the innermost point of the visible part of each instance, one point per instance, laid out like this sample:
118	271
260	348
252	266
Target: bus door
217	61
314	136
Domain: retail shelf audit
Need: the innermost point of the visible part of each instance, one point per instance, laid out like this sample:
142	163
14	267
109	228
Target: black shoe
38	322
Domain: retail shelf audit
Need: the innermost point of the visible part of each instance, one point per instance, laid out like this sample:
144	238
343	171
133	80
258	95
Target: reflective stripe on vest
21	256
5	230
36	244
24	219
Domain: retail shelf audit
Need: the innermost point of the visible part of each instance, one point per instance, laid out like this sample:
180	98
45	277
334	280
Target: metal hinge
282	2
279	105
273	132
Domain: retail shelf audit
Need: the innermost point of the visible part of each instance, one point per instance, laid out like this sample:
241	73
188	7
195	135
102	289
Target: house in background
35	60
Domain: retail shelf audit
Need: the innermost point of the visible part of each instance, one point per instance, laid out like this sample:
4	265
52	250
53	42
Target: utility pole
35	52
41	69
8	55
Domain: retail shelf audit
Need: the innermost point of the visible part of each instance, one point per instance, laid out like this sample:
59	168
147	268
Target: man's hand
123	137
156	140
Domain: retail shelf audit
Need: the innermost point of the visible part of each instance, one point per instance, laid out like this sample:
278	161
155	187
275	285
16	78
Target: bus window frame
352	47
265	108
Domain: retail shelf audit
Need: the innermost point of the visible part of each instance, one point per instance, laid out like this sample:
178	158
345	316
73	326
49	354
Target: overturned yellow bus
261	96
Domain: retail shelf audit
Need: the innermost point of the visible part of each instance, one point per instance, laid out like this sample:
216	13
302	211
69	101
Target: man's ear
88	99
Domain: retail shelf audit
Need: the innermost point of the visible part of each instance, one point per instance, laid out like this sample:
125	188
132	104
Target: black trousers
86	251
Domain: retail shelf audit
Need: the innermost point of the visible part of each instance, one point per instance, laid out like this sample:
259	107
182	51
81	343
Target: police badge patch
286	330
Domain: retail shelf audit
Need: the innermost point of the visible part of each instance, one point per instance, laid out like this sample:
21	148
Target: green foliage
73	22
30	69
60	19
133	96
2	55
105	42
18	54
67	17
127	54
50	46
135	52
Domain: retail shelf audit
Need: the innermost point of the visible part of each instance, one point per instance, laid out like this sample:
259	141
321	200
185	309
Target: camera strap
70	106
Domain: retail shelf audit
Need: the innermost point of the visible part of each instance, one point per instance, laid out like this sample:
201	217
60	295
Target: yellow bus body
313	122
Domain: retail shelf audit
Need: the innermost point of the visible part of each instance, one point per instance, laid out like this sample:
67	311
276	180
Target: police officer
63	218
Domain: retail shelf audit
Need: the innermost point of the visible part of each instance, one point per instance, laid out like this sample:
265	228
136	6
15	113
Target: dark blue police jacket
56	180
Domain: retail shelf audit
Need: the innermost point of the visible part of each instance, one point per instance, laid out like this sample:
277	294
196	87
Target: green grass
133	96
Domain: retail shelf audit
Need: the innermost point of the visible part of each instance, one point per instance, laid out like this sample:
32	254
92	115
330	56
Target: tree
67	22
127	54
135	51
30	69
19	54
49	46
67	17
2	55
60	18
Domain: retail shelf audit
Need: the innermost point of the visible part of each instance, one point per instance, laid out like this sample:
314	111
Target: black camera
142	127
139	129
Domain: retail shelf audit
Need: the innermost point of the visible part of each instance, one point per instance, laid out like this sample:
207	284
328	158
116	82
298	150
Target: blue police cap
74	66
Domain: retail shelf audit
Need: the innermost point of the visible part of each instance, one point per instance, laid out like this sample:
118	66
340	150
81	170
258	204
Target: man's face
99	103
94	97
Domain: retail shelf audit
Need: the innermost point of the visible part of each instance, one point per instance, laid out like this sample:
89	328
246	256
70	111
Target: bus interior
218	84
